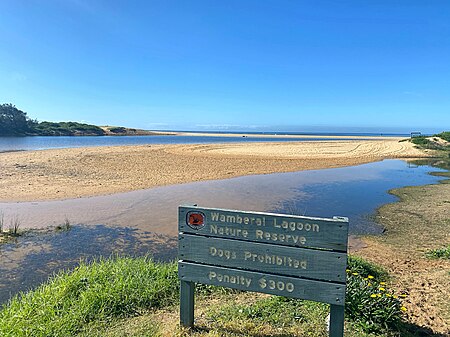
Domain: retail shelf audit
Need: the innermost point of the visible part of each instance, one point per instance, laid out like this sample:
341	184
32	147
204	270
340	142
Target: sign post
285	255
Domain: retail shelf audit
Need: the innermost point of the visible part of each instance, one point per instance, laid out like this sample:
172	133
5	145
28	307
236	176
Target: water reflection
31	258
354	192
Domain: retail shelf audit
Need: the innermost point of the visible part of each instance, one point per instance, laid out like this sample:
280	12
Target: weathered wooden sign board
286	255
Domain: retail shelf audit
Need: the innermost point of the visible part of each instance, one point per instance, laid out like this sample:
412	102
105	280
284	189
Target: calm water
146	221
42	143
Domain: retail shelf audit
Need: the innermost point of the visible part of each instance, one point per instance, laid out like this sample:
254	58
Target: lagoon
145	221
49	142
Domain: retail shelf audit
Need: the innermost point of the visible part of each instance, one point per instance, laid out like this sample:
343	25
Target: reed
2	221
65	226
14	226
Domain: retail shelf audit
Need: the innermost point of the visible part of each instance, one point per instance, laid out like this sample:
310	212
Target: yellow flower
383	283
369	284
403	295
403	309
381	288
379	295
370	276
354	273
388	295
373	295
395	296
348	270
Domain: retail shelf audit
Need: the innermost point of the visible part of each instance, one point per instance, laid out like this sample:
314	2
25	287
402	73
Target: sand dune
78	172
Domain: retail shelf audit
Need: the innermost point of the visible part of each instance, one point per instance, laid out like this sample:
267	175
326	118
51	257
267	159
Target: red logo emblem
195	220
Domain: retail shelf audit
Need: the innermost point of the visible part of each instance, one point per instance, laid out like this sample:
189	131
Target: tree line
15	122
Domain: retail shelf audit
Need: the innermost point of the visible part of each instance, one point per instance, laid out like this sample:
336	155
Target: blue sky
381	66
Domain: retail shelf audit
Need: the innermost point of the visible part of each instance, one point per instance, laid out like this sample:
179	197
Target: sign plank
263	282
262	257
288	230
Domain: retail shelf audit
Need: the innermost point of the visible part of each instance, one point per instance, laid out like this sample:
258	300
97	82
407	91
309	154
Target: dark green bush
444	135
67	129
422	140
118	130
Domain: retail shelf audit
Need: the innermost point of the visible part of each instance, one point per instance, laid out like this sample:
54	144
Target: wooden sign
286	230
293	256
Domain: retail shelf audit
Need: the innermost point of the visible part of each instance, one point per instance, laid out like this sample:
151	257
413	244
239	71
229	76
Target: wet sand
80	172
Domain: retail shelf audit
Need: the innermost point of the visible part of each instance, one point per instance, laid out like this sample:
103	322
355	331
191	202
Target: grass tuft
365	268
441	253
14	226
65	226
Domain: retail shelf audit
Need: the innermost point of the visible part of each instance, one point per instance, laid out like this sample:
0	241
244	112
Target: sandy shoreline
281	135
78	172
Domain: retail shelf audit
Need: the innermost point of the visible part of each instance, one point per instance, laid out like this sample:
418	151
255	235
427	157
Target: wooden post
336	320
187	293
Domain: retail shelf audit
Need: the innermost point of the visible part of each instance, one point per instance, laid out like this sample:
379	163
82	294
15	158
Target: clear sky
380	65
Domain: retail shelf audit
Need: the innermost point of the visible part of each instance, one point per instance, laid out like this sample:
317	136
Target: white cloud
157	124
413	93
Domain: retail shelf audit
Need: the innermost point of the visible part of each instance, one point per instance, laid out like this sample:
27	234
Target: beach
80	172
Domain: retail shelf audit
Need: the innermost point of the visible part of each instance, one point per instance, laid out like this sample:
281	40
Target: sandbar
80	172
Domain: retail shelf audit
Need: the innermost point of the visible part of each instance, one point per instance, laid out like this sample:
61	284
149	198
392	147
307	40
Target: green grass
117	296
296	317
280	316
99	292
441	253
365	268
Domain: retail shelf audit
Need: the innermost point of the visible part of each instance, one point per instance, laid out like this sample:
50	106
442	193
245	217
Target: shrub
421	140
444	135
67	129
118	129
368	301
442	253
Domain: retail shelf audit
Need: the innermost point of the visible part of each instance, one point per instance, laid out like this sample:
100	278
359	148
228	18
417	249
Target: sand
78	172
275	136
